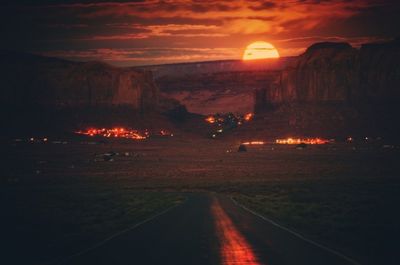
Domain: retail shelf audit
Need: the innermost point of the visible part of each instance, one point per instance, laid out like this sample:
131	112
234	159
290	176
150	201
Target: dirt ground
342	194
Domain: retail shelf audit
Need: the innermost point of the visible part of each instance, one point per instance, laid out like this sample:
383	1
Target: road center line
234	248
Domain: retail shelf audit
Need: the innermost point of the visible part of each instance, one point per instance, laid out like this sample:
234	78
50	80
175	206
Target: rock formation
217	92
41	94
334	87
35	80
216	86
337	72
326	72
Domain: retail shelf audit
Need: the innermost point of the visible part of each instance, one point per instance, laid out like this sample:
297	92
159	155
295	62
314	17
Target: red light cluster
120	132
229	117
254	143
248	116
299	141
210	119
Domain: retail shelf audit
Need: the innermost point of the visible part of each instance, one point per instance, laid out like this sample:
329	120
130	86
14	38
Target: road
208	229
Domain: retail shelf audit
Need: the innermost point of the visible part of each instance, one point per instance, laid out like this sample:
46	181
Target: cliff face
326	72
39	81
334	88
339	73
323	73
42	94
379	71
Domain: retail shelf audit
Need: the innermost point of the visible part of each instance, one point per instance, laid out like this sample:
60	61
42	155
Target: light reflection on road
234	247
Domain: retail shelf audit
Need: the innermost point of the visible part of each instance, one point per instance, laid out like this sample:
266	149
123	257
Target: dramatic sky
153	32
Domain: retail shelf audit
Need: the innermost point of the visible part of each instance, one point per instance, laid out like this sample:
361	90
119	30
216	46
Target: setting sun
260	50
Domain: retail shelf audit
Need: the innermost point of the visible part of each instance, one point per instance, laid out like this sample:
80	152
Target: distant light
120	132
210	119
305	141
248	116
254	143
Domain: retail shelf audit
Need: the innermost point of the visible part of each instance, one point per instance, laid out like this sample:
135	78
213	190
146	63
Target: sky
129	33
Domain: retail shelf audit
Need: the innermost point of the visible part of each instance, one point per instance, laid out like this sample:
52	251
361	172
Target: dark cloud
102	29
201	7
263	5
66	2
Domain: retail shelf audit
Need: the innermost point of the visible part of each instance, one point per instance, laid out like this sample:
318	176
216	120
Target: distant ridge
210	67
43	93
185	63
18	56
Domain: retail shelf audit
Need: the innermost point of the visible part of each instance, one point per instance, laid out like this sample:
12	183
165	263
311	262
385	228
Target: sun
260	50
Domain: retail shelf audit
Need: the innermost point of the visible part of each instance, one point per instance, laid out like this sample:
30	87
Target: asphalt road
208	229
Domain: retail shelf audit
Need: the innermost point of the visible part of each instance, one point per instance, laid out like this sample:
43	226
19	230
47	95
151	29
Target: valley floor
64	195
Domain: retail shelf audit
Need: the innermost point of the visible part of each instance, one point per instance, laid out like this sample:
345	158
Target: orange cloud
110	30
234	17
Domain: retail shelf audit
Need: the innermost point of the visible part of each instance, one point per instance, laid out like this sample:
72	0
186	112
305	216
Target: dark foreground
208	229
62	196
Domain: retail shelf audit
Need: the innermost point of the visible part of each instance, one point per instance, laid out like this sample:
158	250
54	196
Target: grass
358	218
46	223
61	198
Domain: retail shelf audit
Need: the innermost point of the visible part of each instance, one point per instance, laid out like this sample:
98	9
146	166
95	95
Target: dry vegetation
342	194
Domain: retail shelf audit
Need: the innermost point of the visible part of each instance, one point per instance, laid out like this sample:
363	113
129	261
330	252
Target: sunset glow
260	50
127	33
200	132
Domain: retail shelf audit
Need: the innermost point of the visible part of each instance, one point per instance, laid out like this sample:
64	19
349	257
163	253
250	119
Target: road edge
298	235
104	241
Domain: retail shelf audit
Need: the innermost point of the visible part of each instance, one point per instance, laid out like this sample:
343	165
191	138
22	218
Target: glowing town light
210	119
248	116
254	143
114	132
300	140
